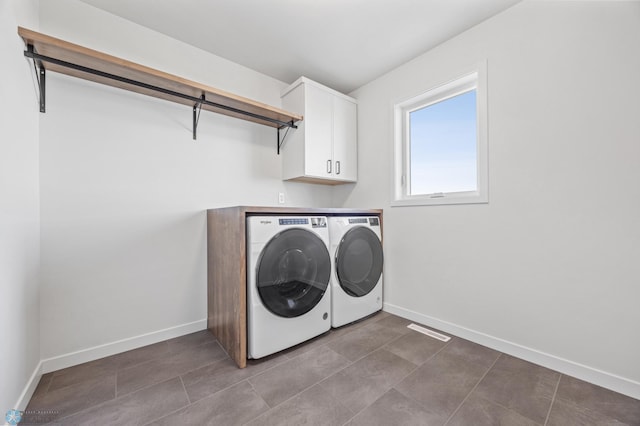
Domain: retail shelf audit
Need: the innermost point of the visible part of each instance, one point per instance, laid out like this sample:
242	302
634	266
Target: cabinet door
318	132
345	152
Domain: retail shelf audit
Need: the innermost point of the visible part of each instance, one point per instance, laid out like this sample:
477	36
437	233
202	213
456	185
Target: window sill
439	200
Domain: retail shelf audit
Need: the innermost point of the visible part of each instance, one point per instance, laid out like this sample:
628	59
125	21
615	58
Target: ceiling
343	44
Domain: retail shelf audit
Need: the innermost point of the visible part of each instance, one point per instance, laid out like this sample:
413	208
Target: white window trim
474	77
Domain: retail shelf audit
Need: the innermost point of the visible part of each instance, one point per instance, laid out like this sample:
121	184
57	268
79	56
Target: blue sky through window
443	146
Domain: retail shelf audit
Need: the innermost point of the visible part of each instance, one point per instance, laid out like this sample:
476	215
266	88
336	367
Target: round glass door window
359	261
293	272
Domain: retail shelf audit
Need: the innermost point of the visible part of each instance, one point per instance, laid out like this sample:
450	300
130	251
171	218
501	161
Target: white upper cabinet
323	149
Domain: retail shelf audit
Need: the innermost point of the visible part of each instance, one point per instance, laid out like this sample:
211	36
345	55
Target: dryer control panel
371	221
358	220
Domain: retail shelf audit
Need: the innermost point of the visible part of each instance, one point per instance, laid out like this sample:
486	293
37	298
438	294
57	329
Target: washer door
359	261
293	272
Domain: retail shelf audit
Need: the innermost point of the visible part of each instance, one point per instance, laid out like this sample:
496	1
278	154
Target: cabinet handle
328	166
337	167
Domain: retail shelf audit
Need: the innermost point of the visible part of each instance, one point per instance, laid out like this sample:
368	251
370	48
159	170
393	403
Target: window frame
473	78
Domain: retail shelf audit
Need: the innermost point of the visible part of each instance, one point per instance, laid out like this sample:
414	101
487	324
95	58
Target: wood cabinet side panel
226	289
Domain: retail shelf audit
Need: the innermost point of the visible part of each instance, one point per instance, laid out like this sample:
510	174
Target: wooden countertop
329	211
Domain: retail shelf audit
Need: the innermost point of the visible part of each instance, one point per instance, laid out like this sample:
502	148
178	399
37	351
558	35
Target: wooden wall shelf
227	269
60	56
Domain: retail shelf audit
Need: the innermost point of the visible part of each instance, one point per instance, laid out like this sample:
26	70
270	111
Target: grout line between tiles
168	378
185	390
138	364
426	361
177	375
87	408
166	415
355	360
471	391
245	379
393	386
303	390
553	400
382	346
46	391
252	388
174	411
319	382
408	374
156	355
349	420
259	396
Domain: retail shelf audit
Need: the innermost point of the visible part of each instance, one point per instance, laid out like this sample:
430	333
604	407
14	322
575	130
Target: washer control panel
318	222
294	221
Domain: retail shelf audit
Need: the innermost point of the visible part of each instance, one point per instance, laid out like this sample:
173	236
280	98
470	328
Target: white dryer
356	263
288	274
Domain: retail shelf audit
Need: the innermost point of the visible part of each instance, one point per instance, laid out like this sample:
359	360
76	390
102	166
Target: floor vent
429	333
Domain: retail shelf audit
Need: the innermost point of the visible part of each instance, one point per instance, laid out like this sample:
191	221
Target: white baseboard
570	368
97	352
108	349
29	389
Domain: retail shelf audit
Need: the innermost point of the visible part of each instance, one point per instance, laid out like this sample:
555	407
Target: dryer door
359	261
293	272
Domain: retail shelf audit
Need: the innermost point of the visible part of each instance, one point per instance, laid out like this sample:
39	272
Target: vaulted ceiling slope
343	44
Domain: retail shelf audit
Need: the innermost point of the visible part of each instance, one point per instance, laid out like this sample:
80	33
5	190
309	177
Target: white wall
549	268
19	210
124	189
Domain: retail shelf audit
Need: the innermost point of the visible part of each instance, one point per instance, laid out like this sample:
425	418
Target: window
441	146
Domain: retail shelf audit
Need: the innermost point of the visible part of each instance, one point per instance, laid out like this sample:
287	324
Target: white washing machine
356	263
288	289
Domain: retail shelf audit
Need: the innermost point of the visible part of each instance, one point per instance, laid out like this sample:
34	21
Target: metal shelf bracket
41	76
280	142
197	107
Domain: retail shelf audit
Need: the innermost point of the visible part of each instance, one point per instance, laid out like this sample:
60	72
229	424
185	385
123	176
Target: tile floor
374	372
